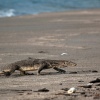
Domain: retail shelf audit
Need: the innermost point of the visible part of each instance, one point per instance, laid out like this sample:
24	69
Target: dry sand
76	34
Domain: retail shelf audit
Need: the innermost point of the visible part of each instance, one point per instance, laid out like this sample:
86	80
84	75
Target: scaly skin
31	64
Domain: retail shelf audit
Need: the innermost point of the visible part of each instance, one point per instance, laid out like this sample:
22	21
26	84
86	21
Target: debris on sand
42	90
95	81
65	89
94	71
73	72
64	54
89	85
42	52
71	90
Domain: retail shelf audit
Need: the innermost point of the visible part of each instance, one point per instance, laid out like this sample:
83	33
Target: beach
71	35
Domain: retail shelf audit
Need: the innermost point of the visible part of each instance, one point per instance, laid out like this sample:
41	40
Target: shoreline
94	10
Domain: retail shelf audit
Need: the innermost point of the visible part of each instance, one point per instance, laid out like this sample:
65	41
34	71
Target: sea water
10	8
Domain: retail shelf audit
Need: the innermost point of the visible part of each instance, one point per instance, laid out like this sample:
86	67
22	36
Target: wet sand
72	35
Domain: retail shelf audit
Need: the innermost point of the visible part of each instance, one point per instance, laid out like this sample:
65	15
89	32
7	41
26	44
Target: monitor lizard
32	64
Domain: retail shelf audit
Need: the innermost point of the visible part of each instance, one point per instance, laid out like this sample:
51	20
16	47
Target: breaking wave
7	13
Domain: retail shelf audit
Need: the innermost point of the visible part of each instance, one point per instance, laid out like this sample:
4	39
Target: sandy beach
72	35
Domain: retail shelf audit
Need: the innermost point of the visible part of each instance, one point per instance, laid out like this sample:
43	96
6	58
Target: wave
7	13
10	8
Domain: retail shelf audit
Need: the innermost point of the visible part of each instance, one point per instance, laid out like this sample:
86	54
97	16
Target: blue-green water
10	8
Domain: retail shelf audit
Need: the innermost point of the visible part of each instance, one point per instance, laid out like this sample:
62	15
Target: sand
72	35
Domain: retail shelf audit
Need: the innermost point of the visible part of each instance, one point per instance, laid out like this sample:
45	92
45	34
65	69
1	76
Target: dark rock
42	52
95	81
80	81
42	90
65	89
60	84
95	71
73	73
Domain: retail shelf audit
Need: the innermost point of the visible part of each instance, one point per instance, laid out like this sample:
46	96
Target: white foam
7	13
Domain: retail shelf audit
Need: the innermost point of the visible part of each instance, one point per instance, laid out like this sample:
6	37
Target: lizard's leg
7	73
59	70
22	72
12	70
42	66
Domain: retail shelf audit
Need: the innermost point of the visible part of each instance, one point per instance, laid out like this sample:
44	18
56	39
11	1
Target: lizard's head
67	63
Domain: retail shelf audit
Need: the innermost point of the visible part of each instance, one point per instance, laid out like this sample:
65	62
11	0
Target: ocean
10	8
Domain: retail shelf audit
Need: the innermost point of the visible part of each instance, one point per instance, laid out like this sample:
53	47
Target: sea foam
7	13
